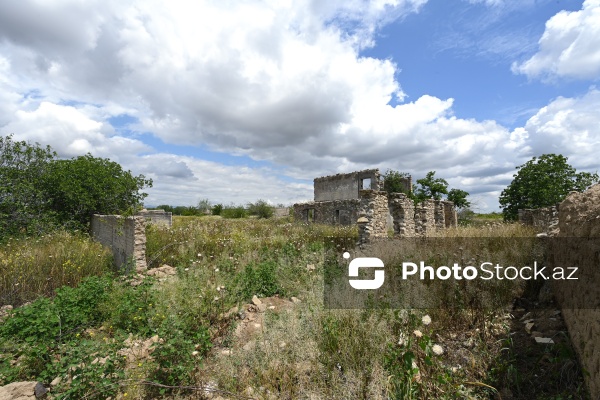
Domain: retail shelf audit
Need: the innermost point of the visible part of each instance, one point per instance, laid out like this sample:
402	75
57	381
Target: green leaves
39	192
542	182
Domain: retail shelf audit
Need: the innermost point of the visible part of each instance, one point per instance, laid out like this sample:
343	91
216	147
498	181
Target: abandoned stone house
357	197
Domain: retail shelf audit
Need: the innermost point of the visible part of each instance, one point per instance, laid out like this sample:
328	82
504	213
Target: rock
226	352
529	327
256	301
544	340
295	300
22	391
262	307
310	267
56	381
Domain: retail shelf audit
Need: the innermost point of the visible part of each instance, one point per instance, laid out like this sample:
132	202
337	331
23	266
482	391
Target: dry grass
34	267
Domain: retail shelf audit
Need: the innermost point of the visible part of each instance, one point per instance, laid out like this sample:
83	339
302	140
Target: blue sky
236	101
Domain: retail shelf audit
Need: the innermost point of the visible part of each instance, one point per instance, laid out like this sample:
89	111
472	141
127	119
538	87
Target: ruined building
358	197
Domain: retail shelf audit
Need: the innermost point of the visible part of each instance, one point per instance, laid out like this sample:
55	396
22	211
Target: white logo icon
365	262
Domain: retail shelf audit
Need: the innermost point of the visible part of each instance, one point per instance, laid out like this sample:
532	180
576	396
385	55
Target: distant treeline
260	209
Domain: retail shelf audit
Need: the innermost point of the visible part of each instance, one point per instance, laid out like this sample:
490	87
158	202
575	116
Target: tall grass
33	267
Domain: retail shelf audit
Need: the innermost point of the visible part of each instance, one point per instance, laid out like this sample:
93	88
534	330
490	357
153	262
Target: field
243	316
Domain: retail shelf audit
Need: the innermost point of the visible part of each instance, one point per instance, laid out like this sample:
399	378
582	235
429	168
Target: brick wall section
344	186
126	237
579	217
158	217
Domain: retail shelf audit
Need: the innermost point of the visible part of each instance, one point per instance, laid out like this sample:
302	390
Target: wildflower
194	353
401	340
426	320
437	349
418	333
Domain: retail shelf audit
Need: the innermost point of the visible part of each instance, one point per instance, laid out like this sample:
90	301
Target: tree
261	209
459	198
542	182
393	181
431	187
85	185
204	206
23	205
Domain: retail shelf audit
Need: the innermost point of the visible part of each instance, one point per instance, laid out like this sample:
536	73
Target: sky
235	101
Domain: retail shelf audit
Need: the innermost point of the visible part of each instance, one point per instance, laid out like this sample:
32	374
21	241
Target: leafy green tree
393	181
261	209
459	198
23	204
85	185
542	182
217	208
431	187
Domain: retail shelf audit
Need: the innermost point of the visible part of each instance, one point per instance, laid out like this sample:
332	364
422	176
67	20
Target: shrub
261	209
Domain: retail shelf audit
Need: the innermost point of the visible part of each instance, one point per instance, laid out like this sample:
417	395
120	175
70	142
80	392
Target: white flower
401	339
437	349
426	320
418	333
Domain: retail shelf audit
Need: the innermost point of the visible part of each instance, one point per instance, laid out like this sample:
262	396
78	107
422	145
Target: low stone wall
281	212
157	217
342	212
402	210
578	245
126	237
543	219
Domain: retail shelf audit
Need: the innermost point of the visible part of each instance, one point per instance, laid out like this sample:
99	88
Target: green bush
233	212
261	209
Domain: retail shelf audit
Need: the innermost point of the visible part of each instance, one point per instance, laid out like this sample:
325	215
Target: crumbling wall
402	210
281	212
439	214
543	219
425	218
342	212
345	186
578	245
160	217
126	237
374	208
450	214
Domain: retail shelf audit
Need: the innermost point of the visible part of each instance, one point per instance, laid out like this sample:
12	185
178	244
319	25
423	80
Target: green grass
302	351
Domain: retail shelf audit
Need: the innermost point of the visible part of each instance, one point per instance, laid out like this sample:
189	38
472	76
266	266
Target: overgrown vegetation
106	337
39	193
542	182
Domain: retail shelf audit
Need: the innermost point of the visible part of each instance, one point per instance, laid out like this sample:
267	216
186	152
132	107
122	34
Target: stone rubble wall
160	217
342	212
579	217
402	210
281	212
543	219
450	214
125	236
344	186
374	208
425	218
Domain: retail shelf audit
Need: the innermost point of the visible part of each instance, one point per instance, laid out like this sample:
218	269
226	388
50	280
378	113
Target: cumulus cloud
278	81
569	46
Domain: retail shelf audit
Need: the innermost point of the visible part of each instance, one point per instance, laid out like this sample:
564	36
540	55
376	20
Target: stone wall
578	244
342	212
425	218
157	217
345	186
281	212
543	219
126	237
402	209
374	208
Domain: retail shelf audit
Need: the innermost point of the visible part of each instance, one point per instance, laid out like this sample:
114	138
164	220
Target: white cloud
569	46
567	126
281	81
